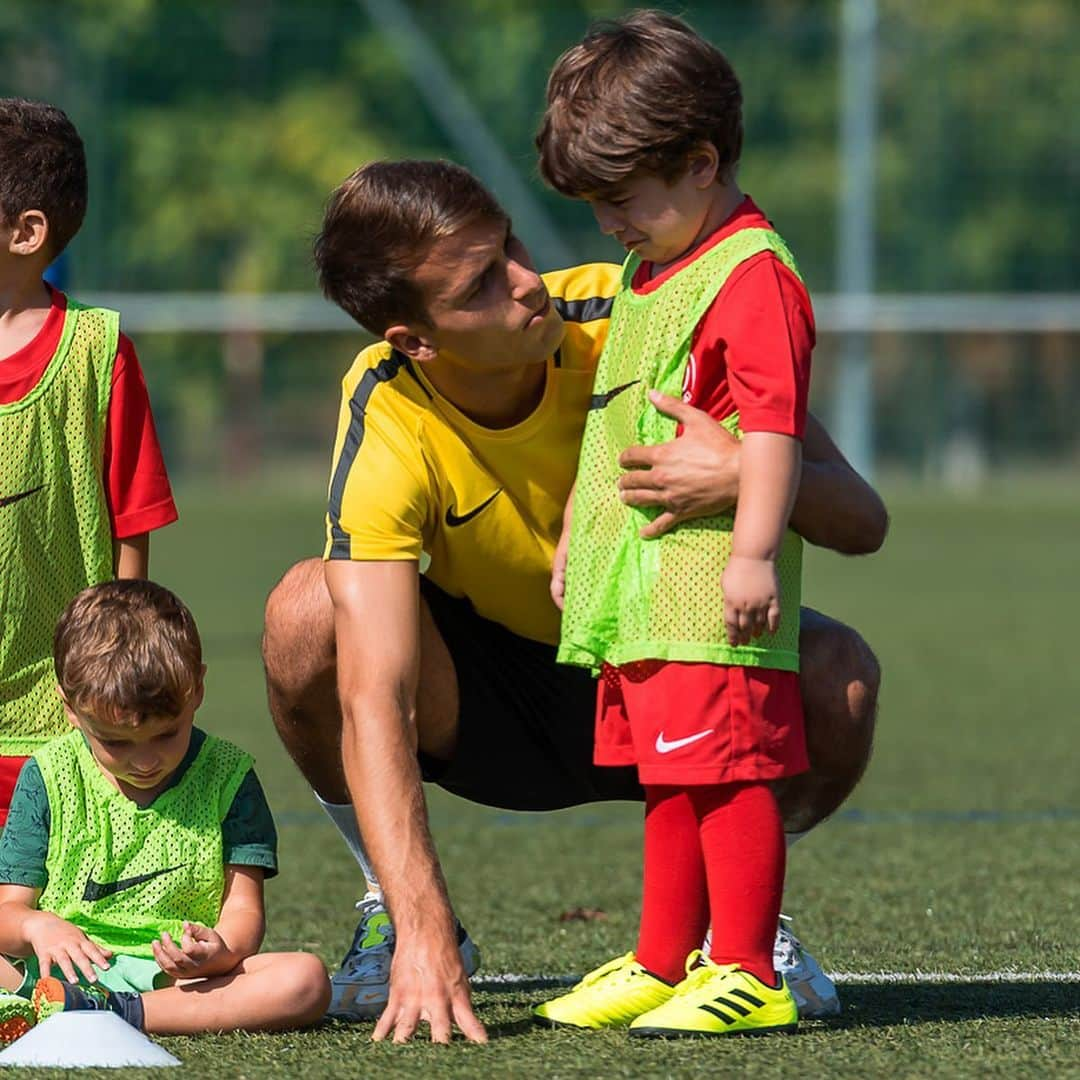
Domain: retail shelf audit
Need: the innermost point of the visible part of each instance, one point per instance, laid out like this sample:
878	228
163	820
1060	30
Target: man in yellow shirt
423	647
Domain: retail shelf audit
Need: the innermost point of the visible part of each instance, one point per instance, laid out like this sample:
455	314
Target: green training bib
631	599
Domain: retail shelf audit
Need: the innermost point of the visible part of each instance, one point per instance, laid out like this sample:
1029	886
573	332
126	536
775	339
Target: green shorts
125	973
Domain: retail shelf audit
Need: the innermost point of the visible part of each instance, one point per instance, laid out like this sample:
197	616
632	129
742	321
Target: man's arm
377	626
698	474
835	507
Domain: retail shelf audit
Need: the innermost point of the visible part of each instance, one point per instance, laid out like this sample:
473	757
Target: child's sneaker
609	997
52	995
717	999
17	1017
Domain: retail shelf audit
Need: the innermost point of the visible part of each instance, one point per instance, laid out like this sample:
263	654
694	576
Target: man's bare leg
300	659
839	680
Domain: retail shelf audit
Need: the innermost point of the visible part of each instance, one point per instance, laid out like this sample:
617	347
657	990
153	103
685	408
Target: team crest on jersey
689	379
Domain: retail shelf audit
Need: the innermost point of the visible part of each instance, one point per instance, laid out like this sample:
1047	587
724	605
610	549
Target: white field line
855	978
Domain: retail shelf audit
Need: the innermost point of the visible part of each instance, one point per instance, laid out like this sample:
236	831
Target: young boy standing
82	481
695	631
132	866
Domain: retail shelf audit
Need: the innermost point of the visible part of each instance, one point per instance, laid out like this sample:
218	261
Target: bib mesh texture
631	599
122	873
55	536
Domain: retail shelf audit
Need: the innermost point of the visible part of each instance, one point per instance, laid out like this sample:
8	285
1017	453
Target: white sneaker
360	987
813	990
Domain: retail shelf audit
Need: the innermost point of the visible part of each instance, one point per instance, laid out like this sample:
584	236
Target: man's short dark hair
638	93
42	167
379	227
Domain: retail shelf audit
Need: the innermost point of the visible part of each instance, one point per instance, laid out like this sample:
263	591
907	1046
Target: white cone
78	1040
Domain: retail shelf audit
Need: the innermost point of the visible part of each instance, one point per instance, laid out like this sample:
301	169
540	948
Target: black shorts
525	734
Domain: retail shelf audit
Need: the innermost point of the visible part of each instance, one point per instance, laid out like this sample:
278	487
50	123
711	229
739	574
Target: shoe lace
360	962
622	967
700	969
787	948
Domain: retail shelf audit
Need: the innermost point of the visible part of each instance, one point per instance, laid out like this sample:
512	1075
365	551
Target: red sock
674	907
742	841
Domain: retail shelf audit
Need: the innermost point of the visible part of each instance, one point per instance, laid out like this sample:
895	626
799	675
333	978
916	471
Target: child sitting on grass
132	865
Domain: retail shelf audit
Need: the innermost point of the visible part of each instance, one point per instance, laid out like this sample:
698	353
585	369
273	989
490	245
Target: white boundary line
853	978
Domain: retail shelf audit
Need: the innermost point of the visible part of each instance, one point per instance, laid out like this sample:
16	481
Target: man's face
488	307
658	219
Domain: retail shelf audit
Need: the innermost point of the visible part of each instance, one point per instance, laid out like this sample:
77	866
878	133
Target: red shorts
683	723
10	767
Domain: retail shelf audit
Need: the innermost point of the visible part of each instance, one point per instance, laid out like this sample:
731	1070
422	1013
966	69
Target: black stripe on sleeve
582	311
383	371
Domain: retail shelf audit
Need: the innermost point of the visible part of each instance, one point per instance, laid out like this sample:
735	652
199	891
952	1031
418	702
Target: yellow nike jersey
412	475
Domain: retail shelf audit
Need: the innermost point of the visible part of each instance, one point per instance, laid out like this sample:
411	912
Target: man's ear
29	233
413	342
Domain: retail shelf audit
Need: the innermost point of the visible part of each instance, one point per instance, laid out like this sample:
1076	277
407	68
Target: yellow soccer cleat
717	999
609	997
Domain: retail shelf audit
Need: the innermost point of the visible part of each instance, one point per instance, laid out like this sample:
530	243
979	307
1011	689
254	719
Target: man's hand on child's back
198	953
751	598
692	476
57	943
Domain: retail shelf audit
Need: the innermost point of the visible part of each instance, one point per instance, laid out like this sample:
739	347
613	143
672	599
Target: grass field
957	856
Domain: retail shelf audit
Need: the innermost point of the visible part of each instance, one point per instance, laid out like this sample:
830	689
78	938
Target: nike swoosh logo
7	500
453	519
599	401
663	746
96	890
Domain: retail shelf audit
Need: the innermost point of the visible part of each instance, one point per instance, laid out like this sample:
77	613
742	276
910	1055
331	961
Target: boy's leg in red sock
674	907
742	841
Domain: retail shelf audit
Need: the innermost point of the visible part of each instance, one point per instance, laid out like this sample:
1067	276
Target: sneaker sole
546	1021
682	1033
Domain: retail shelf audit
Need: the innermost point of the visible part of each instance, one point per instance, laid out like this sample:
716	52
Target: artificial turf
957	855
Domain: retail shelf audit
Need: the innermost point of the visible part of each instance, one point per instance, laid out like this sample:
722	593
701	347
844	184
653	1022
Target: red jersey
137	487
751	350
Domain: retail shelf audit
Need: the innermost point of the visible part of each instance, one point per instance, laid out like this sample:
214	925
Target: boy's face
488	307
660	220
140	760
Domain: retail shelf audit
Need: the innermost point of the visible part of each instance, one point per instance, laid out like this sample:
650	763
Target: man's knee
298	628
840	679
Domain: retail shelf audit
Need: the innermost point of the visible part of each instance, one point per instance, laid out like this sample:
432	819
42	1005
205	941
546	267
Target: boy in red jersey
698	655
82	480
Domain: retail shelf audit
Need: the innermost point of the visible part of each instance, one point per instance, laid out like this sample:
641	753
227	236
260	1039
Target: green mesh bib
123	874
55	537
631	599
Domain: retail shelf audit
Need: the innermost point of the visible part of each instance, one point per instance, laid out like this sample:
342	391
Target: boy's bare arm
770	466
204	951
26	931
562	549
131	556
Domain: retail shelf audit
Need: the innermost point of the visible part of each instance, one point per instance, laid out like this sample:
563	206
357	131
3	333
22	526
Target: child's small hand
751	598
558	569
57	943
199	947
